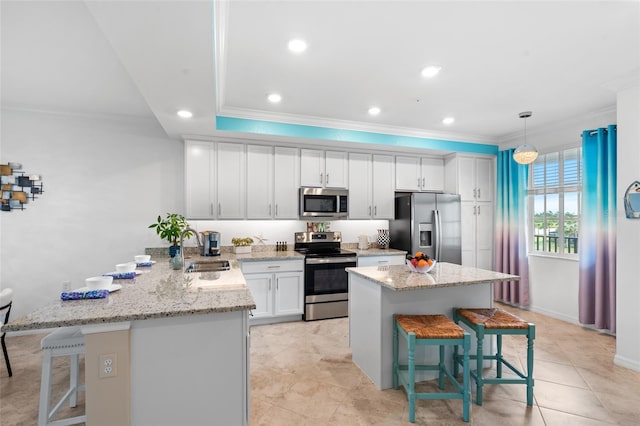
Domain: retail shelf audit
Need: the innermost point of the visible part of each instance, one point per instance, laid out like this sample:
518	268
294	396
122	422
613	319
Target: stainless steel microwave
324	203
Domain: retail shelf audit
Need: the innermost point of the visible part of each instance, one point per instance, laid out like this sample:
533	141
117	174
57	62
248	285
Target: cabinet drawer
252	267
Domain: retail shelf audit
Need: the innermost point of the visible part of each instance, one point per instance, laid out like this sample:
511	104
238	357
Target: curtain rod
593	132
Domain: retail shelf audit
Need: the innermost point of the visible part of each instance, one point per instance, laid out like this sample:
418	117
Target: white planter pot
241	249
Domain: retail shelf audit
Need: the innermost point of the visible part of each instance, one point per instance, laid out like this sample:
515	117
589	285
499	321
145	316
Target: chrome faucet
195	234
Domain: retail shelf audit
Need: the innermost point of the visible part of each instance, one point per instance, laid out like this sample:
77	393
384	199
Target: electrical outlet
108	365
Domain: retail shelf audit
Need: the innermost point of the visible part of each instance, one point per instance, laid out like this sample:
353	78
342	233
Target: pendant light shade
525	154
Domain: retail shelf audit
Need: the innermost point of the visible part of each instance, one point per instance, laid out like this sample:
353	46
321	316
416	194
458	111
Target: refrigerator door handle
438	223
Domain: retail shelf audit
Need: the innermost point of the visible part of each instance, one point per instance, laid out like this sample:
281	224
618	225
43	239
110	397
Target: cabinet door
230	179
466	178
468	233
336	169
259	182
360	206
286	172
311	167
289	293
432	171
199	180
408	174
261	289
485	181
484	235
382	187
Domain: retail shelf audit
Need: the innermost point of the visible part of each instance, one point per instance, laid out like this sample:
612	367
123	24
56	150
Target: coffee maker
210	243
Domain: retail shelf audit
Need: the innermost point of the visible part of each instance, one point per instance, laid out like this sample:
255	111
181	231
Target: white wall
105	181
628	233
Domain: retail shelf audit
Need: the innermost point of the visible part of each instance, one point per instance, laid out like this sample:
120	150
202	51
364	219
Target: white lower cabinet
277	287
382	260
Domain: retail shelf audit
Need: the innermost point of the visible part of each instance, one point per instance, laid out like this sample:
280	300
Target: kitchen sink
206	265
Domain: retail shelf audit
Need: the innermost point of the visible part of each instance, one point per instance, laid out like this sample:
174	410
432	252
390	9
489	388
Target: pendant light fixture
525	154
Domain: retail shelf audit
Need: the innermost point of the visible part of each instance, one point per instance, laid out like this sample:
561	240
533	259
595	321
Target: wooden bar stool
69	342
436	330
488	321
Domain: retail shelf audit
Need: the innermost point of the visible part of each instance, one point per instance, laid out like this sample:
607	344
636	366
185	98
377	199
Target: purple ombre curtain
597	243
510	248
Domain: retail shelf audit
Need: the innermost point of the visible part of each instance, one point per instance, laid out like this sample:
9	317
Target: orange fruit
422	263
429	262
419	254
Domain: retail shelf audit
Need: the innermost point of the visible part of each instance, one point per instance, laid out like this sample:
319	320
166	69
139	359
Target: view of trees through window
554	202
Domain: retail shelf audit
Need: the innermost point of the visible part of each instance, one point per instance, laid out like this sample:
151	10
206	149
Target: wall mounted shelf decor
18	187
632	200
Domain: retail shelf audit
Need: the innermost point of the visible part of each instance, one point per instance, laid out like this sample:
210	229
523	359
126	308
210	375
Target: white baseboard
626	362
556	315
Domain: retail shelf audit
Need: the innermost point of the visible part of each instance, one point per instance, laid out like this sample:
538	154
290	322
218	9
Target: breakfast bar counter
376	293
180	342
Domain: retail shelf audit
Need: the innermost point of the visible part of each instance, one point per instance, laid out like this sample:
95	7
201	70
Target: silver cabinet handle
475	191
321	175
269	284
478	210
479	193
273	266
327	179
418	183
277	283
474	210
375	211
423	183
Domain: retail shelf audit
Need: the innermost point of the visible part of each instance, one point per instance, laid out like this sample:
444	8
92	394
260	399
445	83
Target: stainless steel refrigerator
427	222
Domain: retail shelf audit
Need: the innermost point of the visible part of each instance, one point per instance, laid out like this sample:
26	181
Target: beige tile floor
302	374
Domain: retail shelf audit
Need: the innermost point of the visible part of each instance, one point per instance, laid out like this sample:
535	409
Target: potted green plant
242	245
170	229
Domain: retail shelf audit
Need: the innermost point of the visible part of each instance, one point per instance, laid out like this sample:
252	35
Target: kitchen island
180	341
376	293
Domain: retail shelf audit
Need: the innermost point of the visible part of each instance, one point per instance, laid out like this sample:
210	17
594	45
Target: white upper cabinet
272	182
200	193
231	180
419	173
360	184
286	183
370	186
471	177
323	169
260	183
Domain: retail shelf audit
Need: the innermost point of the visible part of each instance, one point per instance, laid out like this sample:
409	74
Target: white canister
363	242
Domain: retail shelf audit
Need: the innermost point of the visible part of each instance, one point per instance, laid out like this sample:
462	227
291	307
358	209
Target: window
554	202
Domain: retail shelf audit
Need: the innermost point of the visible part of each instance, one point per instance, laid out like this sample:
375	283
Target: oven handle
325	260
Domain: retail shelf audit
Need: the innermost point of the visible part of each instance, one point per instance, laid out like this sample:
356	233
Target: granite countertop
375	251
158	292
400	278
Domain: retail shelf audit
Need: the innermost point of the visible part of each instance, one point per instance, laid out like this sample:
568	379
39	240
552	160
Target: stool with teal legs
435	330
498	322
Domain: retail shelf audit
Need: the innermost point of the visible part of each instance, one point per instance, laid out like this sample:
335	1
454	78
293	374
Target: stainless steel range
326	283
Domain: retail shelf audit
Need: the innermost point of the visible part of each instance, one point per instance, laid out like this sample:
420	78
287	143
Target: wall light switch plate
108	365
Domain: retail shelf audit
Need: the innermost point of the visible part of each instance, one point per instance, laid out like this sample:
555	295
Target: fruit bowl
422	270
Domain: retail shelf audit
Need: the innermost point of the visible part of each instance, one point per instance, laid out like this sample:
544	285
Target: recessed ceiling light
448	120
297	45
374	111
274	98
431	71
184	113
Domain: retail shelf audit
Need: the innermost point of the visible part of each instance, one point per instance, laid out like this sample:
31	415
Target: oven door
325	278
